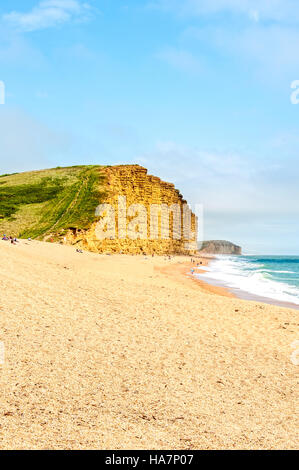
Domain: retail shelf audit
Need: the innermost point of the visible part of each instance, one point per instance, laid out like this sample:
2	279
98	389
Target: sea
272	279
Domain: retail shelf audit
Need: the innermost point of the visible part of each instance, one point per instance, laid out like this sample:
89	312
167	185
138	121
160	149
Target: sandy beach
128	352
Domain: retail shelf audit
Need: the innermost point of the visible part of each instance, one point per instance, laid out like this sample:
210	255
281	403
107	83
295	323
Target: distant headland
220	247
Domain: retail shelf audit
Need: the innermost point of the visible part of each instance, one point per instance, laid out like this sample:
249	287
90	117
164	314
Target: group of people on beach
194	261
12	240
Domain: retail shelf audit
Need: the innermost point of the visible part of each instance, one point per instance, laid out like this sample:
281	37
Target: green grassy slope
45	203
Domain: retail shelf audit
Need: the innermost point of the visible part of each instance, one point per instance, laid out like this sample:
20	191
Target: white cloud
254	15
274	48
264	35
246	200
41	94
16	51
180	59
271	49
226	182
269	10
47	14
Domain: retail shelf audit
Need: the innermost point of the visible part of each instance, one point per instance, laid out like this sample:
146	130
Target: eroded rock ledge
134	183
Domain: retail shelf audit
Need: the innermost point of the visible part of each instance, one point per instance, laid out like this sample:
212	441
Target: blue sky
197	91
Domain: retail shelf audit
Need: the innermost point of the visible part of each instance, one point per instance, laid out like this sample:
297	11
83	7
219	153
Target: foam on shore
251	280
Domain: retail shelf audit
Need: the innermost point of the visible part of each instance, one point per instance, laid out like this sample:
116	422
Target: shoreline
212	286
182	272
220	288
248	296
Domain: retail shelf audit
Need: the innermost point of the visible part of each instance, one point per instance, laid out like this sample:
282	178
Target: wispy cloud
214	178
48	14
271	50
16	51
268	10
265	34
267	193
180	59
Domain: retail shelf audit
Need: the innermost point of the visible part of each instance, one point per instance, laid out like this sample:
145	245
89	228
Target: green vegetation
12	197
43	203
8	174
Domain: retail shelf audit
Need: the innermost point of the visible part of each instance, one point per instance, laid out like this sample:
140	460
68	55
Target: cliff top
34	204
46	203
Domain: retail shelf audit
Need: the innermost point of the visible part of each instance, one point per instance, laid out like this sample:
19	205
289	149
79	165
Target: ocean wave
252	278
274	271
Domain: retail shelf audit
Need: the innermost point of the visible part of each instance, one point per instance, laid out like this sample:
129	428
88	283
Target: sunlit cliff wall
133	183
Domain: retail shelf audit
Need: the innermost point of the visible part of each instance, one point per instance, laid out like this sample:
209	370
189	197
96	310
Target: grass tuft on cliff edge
45	203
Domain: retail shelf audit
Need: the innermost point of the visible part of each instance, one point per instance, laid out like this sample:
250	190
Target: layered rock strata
140	215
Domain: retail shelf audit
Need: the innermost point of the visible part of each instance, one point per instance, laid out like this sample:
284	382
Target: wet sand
127	352
221	288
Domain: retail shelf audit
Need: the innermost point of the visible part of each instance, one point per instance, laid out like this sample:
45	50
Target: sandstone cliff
220	247
132	194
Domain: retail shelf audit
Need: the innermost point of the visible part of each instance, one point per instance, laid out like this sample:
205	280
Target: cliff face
139	229
220	247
